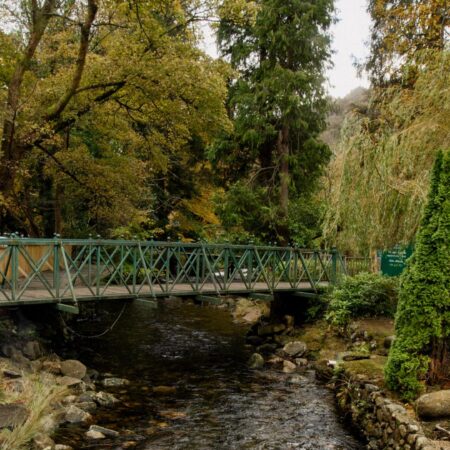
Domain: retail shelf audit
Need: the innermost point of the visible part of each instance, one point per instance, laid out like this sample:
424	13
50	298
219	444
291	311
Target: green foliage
277	102
423	316
364	295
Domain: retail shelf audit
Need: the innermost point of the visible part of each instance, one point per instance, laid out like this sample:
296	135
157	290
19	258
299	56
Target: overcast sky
350	35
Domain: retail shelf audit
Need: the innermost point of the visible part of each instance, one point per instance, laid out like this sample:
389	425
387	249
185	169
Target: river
217	402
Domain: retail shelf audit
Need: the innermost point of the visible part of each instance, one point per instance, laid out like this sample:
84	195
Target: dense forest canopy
114	122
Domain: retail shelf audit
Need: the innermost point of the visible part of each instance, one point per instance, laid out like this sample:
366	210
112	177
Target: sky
350	35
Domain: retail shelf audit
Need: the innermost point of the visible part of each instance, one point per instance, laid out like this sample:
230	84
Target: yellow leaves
241	12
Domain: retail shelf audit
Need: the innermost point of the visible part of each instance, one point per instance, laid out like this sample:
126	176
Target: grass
39	392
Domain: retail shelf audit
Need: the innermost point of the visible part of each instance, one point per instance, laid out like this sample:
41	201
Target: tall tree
103	98
421	351
277	102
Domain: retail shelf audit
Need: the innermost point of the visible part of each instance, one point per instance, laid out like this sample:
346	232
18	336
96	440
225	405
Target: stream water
217	402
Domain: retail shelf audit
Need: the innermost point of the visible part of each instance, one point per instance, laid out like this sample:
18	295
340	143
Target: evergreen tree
279	49
421	350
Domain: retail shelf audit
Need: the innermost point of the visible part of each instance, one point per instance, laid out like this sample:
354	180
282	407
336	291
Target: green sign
393	261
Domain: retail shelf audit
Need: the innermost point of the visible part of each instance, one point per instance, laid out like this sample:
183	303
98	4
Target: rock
105	399
267	330
94	435
254	340
164	390
104	431
88	396
275	360
33	350
252	316
48	424
354	356
256	361
69	381
434	405
114	382
266	348
301	362
297	379
73	368
12	415
295	348
289	321
76	415
87	406
11	374
63	447
288	366
388	340
42	441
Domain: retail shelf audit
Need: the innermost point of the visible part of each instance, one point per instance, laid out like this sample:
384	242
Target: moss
371	369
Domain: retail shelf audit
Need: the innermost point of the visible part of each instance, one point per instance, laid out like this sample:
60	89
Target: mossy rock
368	369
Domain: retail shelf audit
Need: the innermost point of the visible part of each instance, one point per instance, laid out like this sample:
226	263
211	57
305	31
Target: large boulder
73	368
295	349
434	405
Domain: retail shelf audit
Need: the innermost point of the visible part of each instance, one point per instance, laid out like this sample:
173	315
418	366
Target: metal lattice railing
56	270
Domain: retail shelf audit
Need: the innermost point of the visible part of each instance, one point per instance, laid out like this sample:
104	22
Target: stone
88	396
256	361
48	424
11	374
354	356
33	350
301	362
77	415
388	340
115	382
12	415
266	349
73	368
69	381
289	321
94	435
275	360
164	390
267	330
295	348
105	399
289	367
434	405
104	431
252	316
42	441
87	406
254	340
63	447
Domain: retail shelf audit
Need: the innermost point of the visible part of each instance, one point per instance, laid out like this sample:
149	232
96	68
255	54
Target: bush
364	295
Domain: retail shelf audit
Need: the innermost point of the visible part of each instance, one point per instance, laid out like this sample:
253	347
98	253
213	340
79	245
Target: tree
103	99
279	50
421	350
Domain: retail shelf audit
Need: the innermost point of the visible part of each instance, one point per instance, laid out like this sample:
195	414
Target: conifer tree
421	350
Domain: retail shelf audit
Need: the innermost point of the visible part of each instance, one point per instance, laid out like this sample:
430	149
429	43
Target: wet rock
105	399
94	435
289	367
275	360
266	349
164	390
76	415
434	405
12	415
254	340
256	361
73	368
104	431
295	348
301	362
252	316
33	350
289	321
63	447
267	330
297	379
115	382
88	396
388	340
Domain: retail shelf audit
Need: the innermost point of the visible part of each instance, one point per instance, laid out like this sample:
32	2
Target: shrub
364	295
421	349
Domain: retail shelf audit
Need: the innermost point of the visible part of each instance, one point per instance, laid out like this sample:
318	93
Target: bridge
65	272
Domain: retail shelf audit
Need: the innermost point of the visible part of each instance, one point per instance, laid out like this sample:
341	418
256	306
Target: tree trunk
439	370
283	153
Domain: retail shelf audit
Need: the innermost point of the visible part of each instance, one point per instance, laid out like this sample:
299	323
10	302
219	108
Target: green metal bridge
67	271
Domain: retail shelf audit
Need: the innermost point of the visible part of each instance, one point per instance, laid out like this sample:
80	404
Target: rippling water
218	403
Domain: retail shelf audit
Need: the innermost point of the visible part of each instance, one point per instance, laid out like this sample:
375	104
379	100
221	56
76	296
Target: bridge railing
58	270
